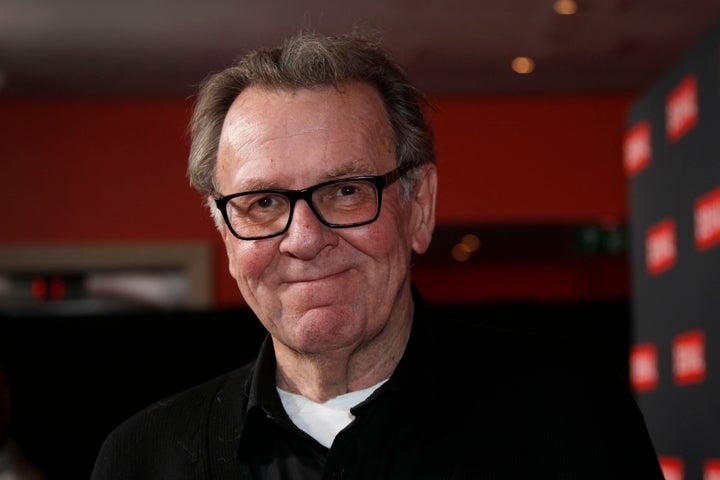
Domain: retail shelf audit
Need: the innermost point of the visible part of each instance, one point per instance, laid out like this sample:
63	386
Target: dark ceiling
160	48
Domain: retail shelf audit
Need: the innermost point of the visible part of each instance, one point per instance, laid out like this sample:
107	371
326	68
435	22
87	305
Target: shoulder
542	391
187	407
168	435
512	359
527	344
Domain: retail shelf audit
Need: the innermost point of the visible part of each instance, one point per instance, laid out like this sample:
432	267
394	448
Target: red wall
110	171
516	159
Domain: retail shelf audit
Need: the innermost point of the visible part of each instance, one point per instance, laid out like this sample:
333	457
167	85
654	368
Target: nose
306	236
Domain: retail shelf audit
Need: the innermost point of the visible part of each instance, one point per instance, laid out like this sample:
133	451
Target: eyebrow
350	169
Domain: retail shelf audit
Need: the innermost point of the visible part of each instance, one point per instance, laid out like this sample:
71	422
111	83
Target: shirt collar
413	379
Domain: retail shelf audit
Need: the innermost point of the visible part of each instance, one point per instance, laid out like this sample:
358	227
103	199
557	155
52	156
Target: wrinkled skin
336	302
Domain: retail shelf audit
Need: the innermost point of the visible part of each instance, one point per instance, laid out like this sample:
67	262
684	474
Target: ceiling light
471	242
462	250
460	253
523	65
565	7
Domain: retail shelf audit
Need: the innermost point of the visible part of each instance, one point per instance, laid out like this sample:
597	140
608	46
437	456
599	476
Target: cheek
246	260
387	238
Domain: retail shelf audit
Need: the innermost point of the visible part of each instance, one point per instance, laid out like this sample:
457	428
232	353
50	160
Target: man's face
318	289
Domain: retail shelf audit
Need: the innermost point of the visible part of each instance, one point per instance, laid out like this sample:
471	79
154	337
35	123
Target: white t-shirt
323	421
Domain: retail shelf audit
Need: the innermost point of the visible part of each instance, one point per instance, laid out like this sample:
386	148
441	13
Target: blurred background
114	288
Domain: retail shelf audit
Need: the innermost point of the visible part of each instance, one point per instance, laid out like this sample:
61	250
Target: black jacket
467	401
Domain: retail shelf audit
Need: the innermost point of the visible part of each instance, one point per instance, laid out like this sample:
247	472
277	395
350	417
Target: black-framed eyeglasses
342	203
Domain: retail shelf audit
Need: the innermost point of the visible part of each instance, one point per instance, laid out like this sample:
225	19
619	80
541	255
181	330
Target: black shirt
465	402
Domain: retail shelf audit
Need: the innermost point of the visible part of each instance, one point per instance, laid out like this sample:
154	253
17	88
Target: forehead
311	134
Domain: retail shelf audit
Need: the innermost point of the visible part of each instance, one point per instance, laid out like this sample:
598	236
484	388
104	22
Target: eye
348	195
360	188
258	207
264	202
347	189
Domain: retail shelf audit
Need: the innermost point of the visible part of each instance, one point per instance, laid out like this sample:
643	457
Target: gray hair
308	60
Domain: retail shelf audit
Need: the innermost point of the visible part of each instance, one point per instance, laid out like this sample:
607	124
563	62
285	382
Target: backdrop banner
672	161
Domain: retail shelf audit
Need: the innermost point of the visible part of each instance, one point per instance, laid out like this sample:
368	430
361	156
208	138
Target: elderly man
317	163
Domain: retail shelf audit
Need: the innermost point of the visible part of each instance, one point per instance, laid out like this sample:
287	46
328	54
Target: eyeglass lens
346	203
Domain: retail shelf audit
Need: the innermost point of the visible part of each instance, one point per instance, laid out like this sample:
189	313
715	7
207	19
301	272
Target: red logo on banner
688	357
681	108
643	367
660	247
672	468
707	220
637	148
712	470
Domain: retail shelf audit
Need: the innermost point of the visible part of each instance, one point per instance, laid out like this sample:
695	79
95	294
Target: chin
324	328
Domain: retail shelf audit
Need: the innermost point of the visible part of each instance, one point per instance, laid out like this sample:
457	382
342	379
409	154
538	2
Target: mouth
315	278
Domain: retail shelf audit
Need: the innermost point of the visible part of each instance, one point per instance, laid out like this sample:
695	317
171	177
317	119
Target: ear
423	208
